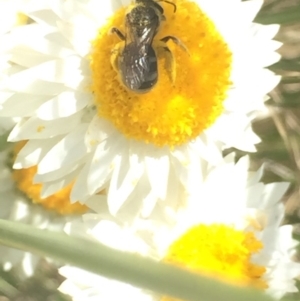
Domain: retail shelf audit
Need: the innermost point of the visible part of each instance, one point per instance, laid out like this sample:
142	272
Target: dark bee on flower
135	58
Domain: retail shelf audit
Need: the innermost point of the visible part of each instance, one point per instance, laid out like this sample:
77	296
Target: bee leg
117	32
115	53
176	41
170	63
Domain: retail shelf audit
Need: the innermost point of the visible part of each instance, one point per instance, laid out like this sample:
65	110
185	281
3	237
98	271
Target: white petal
35	128
33	152
123	181
22	105
64	105
67	152
157	168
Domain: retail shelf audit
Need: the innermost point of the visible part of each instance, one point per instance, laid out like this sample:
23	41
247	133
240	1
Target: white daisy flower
232	231
81	122
20	202
10	16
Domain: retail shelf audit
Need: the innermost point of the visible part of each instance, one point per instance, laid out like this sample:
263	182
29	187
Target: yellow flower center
219	251
58	202
170	113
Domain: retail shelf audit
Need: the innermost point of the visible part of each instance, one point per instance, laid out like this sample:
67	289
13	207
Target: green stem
136	270
7	289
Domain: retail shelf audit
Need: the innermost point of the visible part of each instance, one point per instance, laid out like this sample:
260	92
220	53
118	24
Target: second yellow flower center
219	251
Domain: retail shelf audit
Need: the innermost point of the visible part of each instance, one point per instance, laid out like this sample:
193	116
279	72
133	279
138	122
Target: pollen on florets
170	114
219	251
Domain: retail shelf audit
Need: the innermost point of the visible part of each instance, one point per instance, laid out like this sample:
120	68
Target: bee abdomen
138	68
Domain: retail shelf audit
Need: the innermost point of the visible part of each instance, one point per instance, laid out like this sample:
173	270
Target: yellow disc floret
170	113
219	251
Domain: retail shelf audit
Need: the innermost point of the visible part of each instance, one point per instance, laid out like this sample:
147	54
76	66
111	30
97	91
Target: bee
135	58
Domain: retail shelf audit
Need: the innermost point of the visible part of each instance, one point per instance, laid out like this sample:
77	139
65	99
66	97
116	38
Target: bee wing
142	35
136	65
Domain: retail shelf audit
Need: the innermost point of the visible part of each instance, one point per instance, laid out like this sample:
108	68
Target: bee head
150	3
143	16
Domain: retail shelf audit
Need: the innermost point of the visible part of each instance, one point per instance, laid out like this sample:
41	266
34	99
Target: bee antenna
169	2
